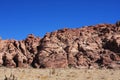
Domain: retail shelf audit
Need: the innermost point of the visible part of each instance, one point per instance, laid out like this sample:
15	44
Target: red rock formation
88	47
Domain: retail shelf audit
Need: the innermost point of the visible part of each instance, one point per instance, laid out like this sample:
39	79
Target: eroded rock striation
88	47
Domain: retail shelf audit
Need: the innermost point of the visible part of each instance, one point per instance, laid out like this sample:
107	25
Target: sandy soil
60	74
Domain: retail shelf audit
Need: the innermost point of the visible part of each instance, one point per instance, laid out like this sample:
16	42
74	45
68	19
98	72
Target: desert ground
59	74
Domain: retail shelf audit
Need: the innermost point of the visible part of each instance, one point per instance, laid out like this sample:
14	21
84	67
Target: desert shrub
11	77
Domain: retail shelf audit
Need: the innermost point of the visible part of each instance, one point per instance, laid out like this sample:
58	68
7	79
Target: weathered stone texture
88	47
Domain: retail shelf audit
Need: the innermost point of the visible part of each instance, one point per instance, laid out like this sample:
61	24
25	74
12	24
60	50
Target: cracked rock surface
88	47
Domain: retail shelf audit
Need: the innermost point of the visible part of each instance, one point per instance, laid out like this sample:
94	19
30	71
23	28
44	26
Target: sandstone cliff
88	47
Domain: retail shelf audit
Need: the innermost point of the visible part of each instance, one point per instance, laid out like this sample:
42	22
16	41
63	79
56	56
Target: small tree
118	23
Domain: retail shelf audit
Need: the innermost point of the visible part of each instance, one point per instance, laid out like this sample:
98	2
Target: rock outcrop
88	47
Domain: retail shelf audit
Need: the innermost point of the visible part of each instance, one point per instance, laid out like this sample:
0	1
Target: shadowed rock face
88	47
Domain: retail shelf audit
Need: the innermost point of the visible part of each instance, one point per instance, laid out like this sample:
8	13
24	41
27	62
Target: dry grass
60	74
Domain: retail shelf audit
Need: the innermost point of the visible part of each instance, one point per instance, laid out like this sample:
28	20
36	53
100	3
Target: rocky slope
88	47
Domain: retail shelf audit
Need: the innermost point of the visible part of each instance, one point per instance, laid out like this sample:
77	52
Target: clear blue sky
18	18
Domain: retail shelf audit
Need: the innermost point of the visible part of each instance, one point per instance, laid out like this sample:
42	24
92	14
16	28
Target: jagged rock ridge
88	47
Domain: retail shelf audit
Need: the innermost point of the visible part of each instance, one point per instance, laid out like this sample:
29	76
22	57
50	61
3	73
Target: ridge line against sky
18	18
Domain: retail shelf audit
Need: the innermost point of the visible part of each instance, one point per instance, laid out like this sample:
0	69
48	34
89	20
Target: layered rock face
19	53
88	47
